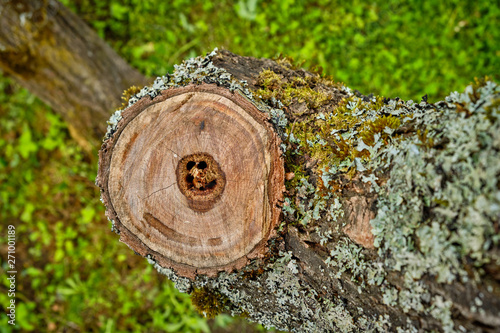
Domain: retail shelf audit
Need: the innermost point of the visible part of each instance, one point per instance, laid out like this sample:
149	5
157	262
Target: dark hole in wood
201	180
189	181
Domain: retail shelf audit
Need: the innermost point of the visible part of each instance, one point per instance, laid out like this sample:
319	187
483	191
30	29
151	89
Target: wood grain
193	178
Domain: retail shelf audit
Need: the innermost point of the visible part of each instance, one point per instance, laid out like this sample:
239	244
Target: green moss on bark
208	302
437	208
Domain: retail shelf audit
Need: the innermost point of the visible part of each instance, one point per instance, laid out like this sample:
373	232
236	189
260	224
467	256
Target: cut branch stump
194	177
387	218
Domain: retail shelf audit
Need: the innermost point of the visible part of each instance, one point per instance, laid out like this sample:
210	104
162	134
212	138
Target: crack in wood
162	189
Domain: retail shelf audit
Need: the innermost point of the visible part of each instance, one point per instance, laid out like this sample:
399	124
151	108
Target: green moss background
74	275
393	48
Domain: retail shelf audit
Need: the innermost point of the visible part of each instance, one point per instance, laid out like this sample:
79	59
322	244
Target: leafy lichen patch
354	129
437	209
334	145
448	197
438	212
434	171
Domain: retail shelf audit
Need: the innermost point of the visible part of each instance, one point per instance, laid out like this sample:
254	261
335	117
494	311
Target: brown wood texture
54	54
194	177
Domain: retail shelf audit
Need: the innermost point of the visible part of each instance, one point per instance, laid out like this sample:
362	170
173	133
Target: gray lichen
438	191
197	71
440	203
435	211
439	206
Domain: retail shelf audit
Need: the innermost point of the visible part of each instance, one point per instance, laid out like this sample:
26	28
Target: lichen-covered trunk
390	210
54	54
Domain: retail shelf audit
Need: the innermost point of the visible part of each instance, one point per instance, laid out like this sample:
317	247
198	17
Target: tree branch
55	55
390	215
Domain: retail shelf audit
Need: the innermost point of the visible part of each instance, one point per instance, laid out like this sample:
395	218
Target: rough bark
391	211
54	54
